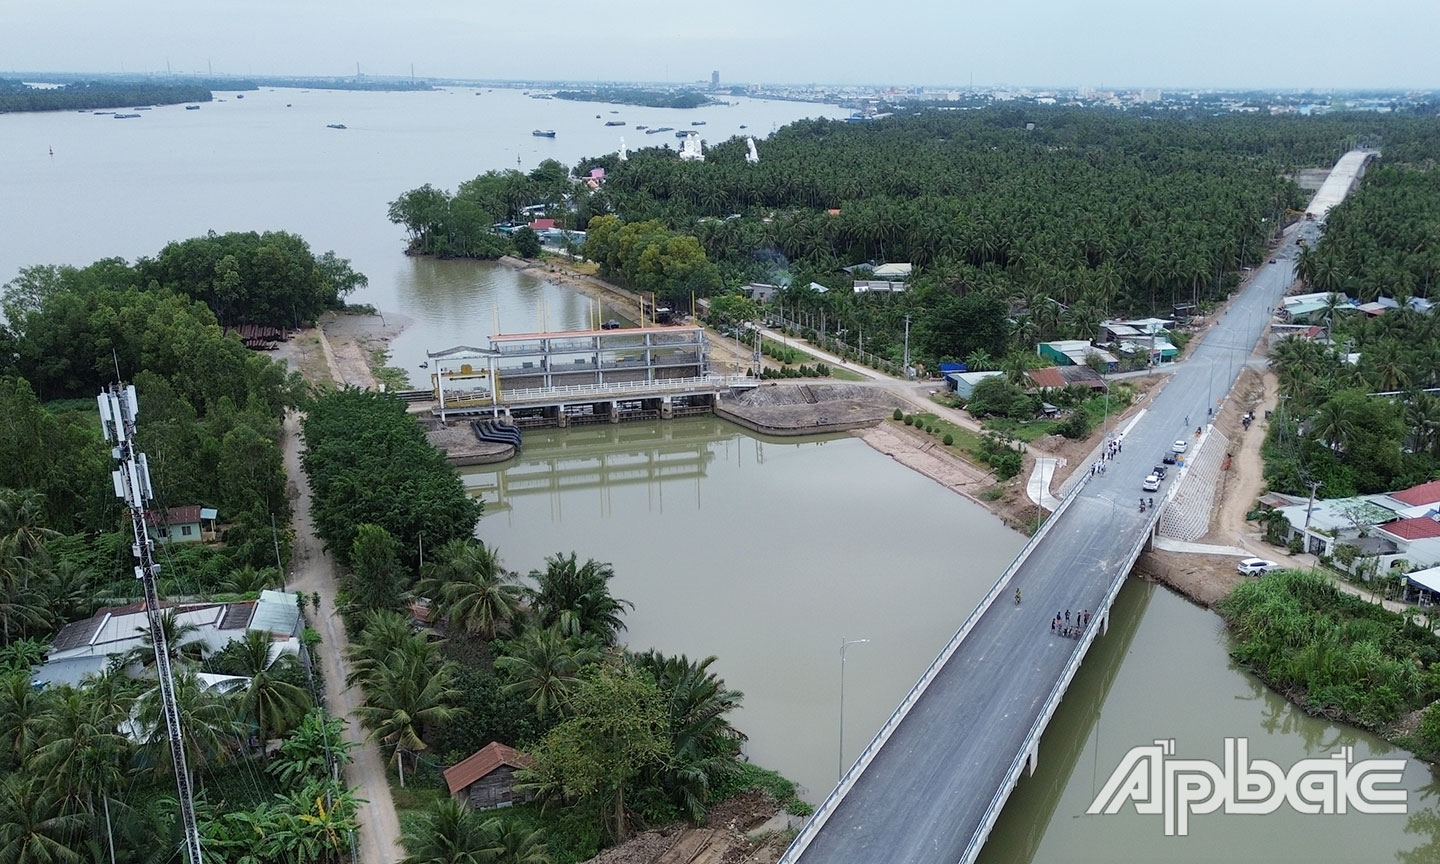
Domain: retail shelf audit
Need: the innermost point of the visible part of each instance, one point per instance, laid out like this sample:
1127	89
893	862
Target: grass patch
994	493
392	377
749	776
840	373
1333	653
1027	432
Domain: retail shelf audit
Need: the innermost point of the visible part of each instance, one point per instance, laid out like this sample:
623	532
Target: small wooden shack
486	780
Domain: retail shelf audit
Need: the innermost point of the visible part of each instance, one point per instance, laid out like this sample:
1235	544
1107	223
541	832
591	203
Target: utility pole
907	348
118	409
1310	507
275	538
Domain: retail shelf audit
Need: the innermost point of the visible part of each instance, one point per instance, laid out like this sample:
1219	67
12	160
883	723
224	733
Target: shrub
909	419
948	439
898	415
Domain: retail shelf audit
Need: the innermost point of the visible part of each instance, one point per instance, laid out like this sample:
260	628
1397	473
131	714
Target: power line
118	410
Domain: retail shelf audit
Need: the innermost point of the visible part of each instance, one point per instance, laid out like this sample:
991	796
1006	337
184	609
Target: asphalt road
925	794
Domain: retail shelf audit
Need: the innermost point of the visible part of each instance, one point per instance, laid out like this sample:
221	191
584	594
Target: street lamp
840	757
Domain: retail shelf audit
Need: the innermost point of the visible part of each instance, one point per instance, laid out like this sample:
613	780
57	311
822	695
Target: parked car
1169	459
1158	471
1256	567
1151	484
1179	446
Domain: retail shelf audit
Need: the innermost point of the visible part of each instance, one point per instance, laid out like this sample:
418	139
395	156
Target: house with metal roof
90	646
1076	352
486	780
182	524
963	383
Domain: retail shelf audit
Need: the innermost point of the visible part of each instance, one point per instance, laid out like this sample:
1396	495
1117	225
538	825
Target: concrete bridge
932	783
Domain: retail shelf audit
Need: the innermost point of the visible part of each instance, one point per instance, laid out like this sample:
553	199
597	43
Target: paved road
925	795
379	836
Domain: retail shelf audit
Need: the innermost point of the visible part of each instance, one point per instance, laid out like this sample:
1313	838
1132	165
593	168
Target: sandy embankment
339	351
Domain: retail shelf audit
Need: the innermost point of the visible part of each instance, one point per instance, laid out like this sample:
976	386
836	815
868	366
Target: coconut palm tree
35	825
273	704
473	592
381	633
703	743
576	598
82	753
23	712
410	691
208	724
542	665
181	639
449	833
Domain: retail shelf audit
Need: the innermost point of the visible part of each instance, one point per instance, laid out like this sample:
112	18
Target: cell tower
118	410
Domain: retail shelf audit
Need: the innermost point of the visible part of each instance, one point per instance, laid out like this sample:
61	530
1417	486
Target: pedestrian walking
1052	625
1087	617
1067	616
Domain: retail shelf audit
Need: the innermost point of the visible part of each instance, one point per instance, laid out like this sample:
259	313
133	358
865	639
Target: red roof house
1419	496
486	779
1419	528
542	225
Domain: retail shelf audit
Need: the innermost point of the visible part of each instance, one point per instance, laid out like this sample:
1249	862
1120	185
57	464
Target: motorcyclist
1017	596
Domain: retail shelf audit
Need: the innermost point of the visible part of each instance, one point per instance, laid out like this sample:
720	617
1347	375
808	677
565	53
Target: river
764	552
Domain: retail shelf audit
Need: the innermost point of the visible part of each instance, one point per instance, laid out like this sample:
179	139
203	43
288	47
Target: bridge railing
1047	710
703	382
832	801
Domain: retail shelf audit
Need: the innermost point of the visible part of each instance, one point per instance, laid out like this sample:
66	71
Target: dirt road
312	570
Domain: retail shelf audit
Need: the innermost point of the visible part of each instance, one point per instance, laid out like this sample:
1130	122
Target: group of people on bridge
1063	627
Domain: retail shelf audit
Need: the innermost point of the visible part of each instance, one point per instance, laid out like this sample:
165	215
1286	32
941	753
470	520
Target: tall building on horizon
715	80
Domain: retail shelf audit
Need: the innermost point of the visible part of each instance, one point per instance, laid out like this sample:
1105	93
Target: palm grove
534	662
84	769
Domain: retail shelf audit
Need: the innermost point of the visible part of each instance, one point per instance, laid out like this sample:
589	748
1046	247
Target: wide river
766	553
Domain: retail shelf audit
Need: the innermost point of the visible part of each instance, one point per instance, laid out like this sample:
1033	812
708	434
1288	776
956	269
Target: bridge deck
932	791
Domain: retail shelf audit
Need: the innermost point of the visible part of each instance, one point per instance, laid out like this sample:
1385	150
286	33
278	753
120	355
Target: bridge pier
614	412
667	408
1032	757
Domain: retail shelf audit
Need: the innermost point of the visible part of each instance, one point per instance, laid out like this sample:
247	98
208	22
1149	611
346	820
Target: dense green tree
616	728
527	242
376	579
368	462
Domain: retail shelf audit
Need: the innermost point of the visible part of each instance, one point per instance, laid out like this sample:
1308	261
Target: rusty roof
484	761
173	516
1047	377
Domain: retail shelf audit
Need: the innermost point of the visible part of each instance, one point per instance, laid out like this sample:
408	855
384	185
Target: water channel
764	552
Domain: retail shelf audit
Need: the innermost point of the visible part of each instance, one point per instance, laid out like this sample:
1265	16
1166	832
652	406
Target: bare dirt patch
354	339
1205	579
1243	482
813	405
721	841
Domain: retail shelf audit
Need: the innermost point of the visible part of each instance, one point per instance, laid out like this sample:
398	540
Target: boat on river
334	125
192	107
125	116
614	122
544	133
697	122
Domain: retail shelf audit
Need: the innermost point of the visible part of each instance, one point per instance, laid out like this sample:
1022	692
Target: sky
1105	44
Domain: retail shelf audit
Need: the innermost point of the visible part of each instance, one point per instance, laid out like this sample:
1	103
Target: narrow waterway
1163	672
764	552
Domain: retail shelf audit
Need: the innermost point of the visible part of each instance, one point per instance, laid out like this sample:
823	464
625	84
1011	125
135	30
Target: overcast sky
1067	43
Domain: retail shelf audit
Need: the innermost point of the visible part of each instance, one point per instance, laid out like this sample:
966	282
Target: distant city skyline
1105	44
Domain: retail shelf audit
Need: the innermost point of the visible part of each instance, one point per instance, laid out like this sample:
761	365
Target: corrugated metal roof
1047	377
276	612
484	760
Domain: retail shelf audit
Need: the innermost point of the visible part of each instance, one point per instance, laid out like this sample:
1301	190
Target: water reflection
600	457
1171	678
